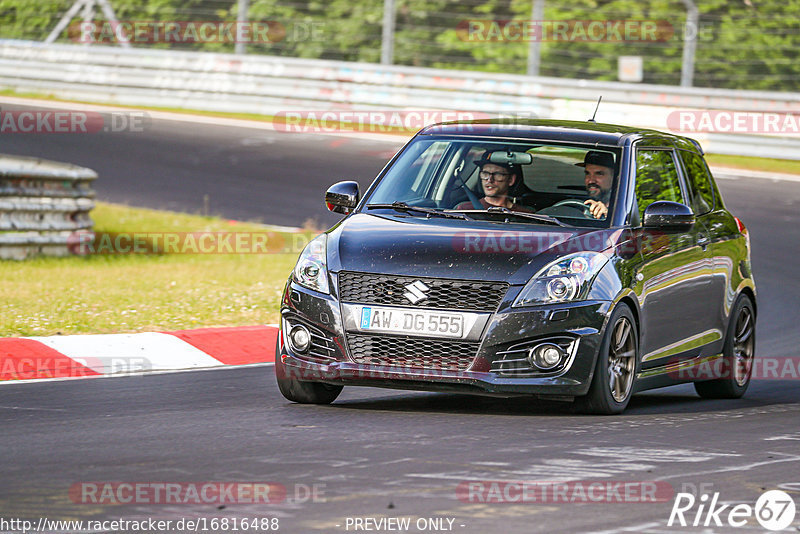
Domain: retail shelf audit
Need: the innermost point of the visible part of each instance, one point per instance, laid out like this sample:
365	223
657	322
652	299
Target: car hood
451	248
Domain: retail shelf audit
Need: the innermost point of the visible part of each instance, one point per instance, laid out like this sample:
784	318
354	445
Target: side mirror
342	197
668	216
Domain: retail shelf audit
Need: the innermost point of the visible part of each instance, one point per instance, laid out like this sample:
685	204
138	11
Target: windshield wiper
499	210
402	206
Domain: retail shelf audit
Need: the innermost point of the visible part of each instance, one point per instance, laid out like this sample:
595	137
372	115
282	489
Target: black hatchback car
574	261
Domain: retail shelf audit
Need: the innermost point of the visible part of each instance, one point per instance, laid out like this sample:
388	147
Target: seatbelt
470	193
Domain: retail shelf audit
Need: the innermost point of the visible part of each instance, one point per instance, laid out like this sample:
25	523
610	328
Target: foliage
656	178
742	44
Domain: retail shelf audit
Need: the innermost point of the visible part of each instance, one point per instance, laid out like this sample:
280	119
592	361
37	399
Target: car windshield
493	180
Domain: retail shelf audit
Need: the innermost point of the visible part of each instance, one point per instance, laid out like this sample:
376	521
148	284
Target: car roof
569	131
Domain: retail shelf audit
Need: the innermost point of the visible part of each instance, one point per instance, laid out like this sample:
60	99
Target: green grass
108	293
755	164
110	217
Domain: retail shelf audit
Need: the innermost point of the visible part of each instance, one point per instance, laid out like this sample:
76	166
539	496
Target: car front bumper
583	322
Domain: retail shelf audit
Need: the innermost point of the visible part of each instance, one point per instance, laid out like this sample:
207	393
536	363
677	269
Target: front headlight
311	270
566	279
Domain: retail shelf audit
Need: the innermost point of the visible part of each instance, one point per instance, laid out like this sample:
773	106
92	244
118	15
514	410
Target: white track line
149	351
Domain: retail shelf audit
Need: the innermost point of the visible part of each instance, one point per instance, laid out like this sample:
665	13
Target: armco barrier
269	85
42	203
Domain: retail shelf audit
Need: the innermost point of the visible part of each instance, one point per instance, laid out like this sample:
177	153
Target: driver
598	176
497	179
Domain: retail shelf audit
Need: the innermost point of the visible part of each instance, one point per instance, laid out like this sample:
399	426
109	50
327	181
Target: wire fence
740	44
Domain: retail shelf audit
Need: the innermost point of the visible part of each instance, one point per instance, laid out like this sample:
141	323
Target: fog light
300	338
545	356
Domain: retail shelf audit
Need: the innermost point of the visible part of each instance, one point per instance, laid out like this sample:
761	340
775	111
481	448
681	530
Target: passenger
497	179
598	178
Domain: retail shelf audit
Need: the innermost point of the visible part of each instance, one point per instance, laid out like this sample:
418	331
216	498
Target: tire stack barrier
42	206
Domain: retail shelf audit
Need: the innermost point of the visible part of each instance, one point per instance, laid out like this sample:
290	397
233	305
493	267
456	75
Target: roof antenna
595	109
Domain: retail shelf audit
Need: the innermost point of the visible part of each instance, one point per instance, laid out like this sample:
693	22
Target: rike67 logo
774	510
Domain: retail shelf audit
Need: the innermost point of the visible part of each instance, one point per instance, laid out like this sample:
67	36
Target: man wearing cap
598	177
497	179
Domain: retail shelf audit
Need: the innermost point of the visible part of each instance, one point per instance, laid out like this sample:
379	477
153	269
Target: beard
594	191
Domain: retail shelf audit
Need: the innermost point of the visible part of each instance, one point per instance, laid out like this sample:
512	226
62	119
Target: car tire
738	354
301	391
616	368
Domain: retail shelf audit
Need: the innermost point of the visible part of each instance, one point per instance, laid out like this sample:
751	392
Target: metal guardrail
42	204
269	85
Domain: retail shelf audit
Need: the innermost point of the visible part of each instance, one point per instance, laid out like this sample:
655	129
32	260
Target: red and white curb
83	356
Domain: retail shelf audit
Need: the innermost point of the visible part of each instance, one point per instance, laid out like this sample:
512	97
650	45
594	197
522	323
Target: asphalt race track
382	453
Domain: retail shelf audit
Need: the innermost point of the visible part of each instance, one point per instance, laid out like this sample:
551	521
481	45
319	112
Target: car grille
412	352
364	288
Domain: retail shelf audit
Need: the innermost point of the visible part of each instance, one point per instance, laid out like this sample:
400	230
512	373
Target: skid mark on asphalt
644	528
555	470
739	468
790	437
662	528
671	421
624	461
32	409
655	455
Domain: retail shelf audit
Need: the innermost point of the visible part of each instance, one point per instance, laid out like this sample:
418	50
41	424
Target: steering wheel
577	204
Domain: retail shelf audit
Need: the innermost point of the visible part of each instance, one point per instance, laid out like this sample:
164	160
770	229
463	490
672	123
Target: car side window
656	178
699	182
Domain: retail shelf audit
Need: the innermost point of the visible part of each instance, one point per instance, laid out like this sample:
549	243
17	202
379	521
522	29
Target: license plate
428	323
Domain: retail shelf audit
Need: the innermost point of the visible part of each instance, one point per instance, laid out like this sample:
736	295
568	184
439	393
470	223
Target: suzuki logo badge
416	292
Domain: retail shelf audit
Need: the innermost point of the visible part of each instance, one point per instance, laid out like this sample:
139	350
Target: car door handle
702	240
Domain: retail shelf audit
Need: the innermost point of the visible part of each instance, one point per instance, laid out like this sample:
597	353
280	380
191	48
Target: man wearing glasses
497	179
